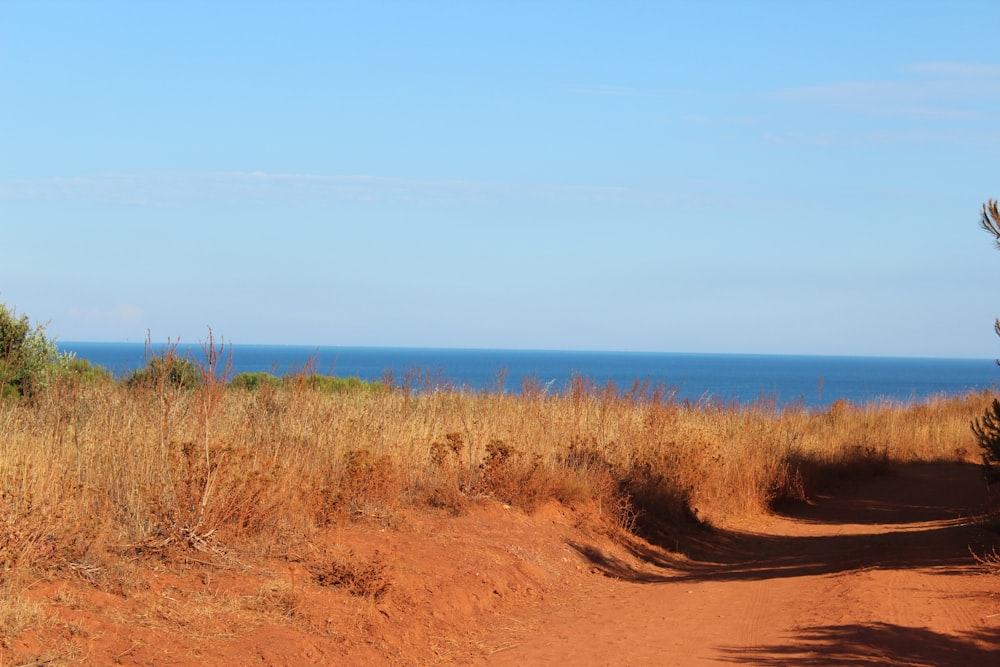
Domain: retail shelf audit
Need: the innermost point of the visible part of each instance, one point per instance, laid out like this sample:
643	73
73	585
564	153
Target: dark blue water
815	381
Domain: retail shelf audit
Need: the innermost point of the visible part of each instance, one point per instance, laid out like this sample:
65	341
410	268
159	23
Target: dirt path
877	574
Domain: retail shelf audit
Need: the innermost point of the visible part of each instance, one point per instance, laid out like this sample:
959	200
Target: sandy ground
877	573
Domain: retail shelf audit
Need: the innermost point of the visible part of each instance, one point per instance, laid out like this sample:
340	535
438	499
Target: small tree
27	355
987	428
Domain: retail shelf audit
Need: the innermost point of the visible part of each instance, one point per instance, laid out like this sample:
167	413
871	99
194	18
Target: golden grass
92	470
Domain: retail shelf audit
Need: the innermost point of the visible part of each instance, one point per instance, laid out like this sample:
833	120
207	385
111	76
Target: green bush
166	370
254	381
987	432
82	370
334	385
27	355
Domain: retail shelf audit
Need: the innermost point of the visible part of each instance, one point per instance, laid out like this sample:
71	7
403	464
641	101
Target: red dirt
877	573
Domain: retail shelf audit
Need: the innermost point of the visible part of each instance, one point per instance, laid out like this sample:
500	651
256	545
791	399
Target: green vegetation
169	369
28	357
987	432
330	384
30	361
82	370
987	427
254	381
327	384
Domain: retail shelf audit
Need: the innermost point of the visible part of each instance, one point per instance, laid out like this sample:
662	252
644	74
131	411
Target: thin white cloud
954	69
184	189
948	136
180	188
938	91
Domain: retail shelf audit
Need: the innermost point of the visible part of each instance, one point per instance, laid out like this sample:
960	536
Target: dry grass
90	474
101	483
367	578
17	614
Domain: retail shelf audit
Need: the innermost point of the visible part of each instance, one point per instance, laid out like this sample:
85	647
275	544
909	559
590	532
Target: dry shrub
514	477
587	476
448	479
245	490
362	577
370	487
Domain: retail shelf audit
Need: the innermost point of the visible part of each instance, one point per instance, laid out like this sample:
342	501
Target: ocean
813	381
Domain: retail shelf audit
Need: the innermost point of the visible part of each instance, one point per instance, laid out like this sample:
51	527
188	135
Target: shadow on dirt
875	644
905	494
916	516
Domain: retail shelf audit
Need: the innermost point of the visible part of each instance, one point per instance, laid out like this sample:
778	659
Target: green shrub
254	381
27	355
987	432
170	370
334	385
82	370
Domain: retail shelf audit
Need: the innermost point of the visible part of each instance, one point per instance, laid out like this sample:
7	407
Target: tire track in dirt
876	574
753	617
924	568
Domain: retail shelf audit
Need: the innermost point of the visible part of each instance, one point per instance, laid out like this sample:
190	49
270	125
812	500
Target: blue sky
772	177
